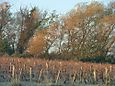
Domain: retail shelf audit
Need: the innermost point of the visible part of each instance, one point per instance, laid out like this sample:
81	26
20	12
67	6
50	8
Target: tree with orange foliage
89	30
45	37
37	43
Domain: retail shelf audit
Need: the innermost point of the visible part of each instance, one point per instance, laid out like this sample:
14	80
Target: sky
61	6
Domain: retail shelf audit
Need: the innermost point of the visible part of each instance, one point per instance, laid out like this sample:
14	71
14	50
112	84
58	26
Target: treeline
87	32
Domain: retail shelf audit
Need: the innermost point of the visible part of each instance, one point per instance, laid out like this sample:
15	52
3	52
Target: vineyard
48	71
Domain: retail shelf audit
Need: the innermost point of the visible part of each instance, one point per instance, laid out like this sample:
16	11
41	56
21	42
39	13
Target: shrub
24	55
98	59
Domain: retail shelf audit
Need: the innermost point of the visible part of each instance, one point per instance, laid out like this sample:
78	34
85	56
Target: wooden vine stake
13	71
94	75
40	74
20	72
47	68
106	75
74	77
58	73
30	74
24	66
110	74
10	67
91	74
81	73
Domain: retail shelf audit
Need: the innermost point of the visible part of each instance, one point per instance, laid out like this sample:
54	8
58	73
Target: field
41	71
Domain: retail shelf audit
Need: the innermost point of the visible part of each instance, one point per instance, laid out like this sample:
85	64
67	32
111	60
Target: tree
45	37
37	43
29	22
88	35
5	18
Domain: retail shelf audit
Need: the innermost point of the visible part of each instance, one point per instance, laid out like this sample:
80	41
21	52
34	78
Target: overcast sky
61	6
